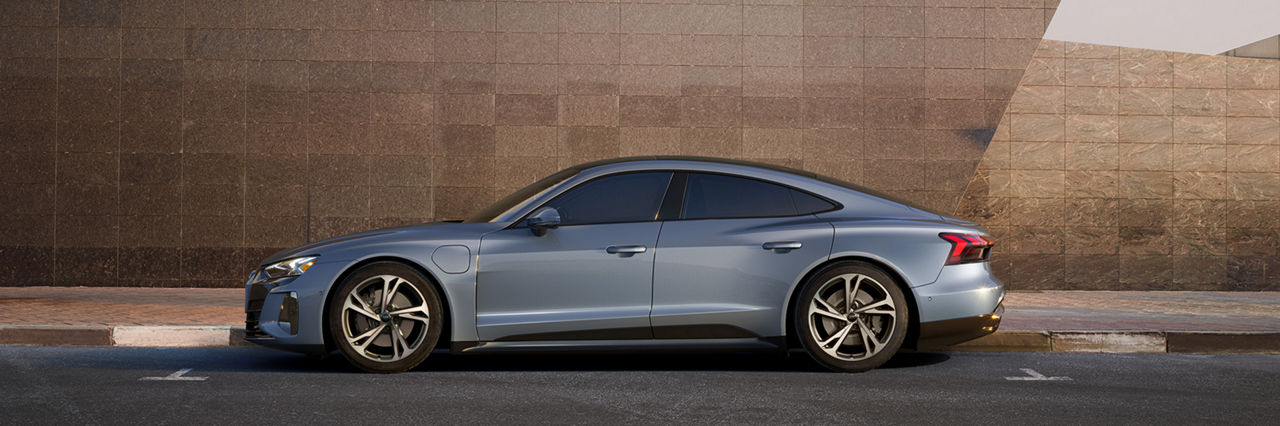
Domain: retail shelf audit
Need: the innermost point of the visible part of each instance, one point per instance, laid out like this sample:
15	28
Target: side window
628	197
720	196
807	204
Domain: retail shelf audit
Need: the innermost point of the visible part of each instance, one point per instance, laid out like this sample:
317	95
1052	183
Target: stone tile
1045	72
1145	128
771	143
1205	102
1251	130
1253	186
1092	100
649	141
1091	128
1146	101
1253	158
1146	156
1014	23
1092	72
1199	157
834	51
656	111
588	79
1200	129
955	53
774	20
526	79
833	21
951	83
1146	185
527	17
1200	71
954	22
1038	99
710	111
1253	103
1009	53
658	80
1148	72
1083	242
1245	73
1037	127
1089	50
710	81
1091	156
770	112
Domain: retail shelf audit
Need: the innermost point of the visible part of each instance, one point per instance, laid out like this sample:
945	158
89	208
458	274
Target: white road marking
1033	375
177	376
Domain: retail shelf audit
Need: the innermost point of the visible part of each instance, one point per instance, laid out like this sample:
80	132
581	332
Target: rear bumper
965	303
939	334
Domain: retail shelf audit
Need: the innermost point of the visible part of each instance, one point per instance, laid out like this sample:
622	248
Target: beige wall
1120	168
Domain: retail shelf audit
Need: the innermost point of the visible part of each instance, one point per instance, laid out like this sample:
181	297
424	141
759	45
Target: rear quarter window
809	204
720	196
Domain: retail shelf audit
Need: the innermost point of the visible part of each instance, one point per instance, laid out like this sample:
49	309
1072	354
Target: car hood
422	231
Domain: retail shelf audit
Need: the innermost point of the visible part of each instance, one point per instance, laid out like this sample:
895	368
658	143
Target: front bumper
965	303
288	313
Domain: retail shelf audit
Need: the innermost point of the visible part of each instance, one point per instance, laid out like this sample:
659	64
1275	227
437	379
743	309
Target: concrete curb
1078	341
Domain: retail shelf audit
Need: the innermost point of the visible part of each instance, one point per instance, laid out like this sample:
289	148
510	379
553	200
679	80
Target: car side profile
641	254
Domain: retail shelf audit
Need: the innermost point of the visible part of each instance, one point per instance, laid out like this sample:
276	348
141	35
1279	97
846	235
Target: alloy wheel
385	318
852	317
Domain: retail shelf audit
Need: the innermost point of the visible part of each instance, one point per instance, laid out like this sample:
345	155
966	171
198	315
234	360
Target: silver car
641	254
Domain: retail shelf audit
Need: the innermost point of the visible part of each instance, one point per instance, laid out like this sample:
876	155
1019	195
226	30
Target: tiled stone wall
1135	169
170	142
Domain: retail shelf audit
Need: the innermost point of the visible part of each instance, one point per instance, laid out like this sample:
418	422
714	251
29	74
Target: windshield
506	204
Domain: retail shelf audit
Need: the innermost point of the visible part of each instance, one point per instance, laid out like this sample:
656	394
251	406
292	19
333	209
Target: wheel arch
913	325
445	332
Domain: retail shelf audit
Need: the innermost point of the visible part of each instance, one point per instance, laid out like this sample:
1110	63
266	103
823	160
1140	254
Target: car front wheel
851	317
385	317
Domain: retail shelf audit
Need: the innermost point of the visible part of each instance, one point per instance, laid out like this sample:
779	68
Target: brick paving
1048	310
121	306
1142	310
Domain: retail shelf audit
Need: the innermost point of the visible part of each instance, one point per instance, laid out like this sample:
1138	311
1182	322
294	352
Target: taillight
967	248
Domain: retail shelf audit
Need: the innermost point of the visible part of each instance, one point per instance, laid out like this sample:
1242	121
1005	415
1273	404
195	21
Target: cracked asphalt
101	385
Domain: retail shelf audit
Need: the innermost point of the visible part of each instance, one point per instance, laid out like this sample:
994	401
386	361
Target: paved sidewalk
114	306
1142	310
1092	321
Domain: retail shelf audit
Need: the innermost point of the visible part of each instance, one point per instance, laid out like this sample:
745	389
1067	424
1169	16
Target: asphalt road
102	385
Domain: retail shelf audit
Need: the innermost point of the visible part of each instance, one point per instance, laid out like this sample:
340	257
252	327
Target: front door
589	279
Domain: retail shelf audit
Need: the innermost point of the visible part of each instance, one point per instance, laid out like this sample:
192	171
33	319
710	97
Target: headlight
289	267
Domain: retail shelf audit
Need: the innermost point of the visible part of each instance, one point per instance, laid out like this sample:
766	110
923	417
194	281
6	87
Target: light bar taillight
967	248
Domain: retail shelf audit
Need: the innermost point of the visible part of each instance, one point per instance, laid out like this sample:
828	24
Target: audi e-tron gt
639	254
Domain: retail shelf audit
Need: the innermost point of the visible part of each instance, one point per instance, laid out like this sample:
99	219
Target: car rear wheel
851	316
385	318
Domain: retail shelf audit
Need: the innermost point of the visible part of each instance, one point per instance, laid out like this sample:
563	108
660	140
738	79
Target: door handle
781	245
625	249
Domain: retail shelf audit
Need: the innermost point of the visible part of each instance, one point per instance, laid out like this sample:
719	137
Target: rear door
725	268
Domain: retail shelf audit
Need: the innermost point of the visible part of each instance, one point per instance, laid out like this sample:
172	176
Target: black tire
891	335
368	279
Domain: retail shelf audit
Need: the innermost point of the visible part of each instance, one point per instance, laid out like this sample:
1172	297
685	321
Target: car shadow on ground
794	362
249	359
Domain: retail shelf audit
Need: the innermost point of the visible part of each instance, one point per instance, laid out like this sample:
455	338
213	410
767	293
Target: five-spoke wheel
851	317
385	317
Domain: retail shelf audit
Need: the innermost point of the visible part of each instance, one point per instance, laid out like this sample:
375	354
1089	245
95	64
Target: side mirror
542	220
